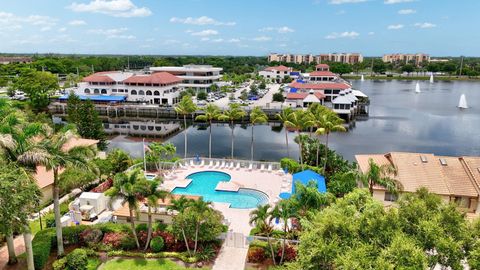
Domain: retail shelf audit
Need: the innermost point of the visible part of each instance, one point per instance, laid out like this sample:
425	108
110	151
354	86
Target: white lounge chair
192	163
202	163
217	164
232	165
262	168
210	164
222	164
238	166
269	167
250	166
181	166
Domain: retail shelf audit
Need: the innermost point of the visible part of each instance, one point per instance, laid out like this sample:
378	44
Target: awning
98	98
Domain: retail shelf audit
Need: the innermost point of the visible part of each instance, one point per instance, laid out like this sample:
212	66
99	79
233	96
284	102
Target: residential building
303	100
454	179
150	128
160	214
44	177
5	60
348	58
277	73
118	86
399	58
197	77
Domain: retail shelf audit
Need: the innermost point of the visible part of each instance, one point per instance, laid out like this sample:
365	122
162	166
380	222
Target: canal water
400	120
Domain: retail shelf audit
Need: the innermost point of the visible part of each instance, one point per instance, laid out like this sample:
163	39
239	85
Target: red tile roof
304	95
321	74
100	77
155	78
322	66
319	86
278	68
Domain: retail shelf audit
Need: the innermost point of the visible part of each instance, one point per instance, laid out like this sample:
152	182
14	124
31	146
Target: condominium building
197	77
400	58
348	58
454	179
4	60
277	73
117	86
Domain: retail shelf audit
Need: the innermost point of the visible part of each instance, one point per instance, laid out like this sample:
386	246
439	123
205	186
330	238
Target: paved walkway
230	258
19	249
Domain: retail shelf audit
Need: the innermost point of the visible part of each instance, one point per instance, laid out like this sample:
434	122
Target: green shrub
128	242
291	165
77	259
112	227
160	226
60	264
42	246
157	244
71	235
256	255
91	236
258	243
141	227
183	256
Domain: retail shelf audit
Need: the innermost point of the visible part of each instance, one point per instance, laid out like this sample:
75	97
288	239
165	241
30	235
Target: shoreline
410	78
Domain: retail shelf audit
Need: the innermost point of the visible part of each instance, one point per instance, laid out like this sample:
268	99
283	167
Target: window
390	197
104	91
462	202
150	128
135	127
156	93
158	128
96	91
133	92
114	91
143	127
149	93
86	91
141	93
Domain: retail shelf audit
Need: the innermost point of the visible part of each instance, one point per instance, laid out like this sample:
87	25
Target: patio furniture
202	163
238	166
222	164
269	167
232	165
210	165
192	163
262	168
250	166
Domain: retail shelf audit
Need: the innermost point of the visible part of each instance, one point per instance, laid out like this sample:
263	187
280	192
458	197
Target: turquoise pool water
204	184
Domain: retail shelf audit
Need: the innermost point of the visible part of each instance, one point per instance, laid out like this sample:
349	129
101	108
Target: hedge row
46	240
183	256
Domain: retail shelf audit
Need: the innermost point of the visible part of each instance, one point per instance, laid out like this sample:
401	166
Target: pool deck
272	183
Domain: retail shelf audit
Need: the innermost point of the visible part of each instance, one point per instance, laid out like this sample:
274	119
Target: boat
431	78
417	88
462	103
363	78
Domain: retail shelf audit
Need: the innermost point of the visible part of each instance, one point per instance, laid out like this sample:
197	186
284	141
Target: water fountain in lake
462	103
362	79
417	88
431	77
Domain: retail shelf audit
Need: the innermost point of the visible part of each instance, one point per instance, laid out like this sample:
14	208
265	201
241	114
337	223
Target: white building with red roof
196	77
304	100
277	73
157	88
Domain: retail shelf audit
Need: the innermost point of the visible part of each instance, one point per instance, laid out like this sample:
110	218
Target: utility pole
371	68
78	73
93	70
461	67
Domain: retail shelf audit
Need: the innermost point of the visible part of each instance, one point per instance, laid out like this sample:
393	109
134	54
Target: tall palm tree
185	107
202	209
284	210
329	122
128	187
211	112
380	175
180	205
299	120
308	197
152	194
54	153
284	118
257	116
262	219
316	112
233	113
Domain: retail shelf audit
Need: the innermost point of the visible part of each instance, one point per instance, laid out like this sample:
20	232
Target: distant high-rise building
398	58
348	58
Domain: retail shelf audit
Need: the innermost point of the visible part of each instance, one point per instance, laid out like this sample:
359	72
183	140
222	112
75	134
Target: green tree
329	123
38	86
261	217
202	210
152	194
160	152
340	68
278	97
128	186
284	116
308	198
89	125
284	210
408	68
380	175
317	113
342	183
379	66
211	112
202	95
262	85
299	120
73	106
257	116
185	107
180	222
234	112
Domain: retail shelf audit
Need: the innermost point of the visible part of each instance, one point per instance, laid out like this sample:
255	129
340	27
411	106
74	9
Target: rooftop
278	68
320	86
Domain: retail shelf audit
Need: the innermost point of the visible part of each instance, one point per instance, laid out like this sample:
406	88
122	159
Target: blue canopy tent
308	175
293	90
98	98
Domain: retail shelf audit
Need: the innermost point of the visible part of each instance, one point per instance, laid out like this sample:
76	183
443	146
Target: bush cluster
256	255
157	244
77	259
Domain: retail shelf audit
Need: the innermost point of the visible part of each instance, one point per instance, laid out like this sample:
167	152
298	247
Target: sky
240	27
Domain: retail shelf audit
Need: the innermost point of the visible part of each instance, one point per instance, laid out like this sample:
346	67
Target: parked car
201	103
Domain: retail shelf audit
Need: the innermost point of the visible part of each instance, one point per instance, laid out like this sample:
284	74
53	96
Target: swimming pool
204	184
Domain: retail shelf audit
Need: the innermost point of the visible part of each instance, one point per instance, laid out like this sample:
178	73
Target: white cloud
77	23
171	42
389	2
203	20
63	29
425	25
371	33
407	11
262	38
116	8
339	2
9	22
117	33
395	26
347	34
233	40
204	33
280	30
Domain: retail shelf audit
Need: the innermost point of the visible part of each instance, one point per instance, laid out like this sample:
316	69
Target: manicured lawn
93	263
142	264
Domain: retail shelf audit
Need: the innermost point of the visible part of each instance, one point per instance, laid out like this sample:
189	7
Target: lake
399	120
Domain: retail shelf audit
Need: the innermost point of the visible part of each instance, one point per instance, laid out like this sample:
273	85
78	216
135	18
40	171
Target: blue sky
240	27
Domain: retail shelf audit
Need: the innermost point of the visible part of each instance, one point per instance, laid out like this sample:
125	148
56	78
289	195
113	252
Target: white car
201	103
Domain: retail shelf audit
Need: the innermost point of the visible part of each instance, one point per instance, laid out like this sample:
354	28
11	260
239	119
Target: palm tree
180	205
380	176
185	107
128	187
202	209
284	118
257	116
299	120
152	194
54	153
328	123
284	210
211	113
308	197
233	113
316	112
262	219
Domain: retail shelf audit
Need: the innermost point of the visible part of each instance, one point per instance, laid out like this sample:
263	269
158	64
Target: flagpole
144	159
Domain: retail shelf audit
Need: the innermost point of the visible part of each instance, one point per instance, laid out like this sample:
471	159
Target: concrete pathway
19	249
230	258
